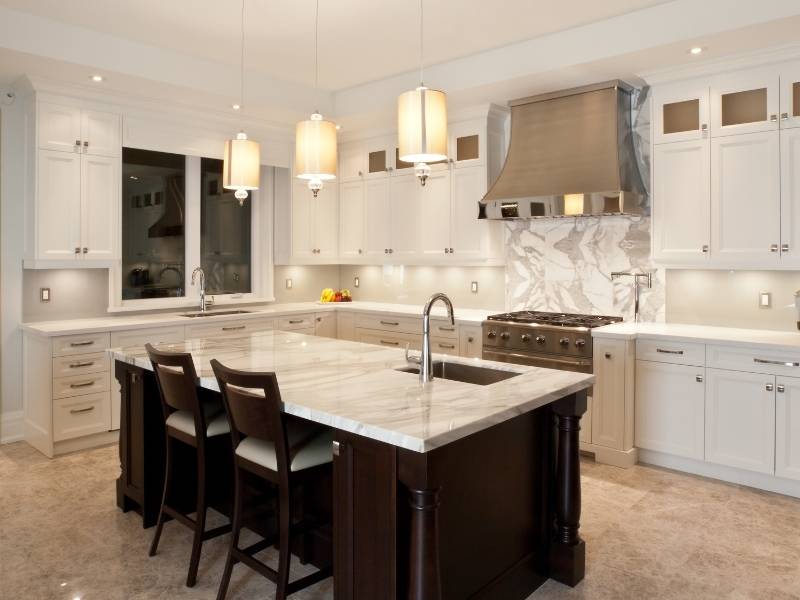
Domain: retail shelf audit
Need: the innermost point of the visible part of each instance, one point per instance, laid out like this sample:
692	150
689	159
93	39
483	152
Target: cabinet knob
770	387
784	116
360	251
77	250
360	173
85	146
705	248
784	247
391	251
773	118
608	354
451	251
85	250
698	378
470	339
781	389
773	248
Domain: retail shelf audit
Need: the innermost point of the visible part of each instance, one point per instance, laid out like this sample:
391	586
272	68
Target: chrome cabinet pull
82	384
704	127
336	447
236	328
773	118
447	328
451	251
447	346
83	343
698	378
85	146
392	323
387	343
705	248
781	388
784	247
295	321
773	248
770	387
85	250
75	411
77	250
662	351
782	363
78	365
391	251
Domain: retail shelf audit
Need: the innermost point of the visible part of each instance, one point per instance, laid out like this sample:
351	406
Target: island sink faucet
203	302
638	278
425	360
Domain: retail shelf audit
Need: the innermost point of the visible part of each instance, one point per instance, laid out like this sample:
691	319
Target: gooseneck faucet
199	271
638	278
426	363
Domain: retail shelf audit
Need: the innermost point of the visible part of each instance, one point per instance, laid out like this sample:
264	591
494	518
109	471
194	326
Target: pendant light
422	122
242	161
315	138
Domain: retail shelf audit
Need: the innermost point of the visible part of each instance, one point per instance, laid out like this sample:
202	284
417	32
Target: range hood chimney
571	154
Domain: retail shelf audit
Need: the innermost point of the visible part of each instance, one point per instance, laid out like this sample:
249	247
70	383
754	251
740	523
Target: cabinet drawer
295	322
390	323
227	328
677	353
80	385
80	344
80	364
140	337
76	417
389	339
754	360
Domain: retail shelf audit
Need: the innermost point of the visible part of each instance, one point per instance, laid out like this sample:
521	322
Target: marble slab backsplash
565	265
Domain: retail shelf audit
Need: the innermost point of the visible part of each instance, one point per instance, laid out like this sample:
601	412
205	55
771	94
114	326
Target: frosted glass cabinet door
680	112
58	218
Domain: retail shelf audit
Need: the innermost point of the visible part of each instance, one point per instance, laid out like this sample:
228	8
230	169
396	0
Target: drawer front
227	328
76	417
389	339
390	323
677	353
140	337
66	345
754	360
80	364
80	385
295	322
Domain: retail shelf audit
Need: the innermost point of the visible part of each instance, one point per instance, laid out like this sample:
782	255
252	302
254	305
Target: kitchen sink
463	373
216	313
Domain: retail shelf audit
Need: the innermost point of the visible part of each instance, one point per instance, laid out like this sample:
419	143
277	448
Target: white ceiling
360	40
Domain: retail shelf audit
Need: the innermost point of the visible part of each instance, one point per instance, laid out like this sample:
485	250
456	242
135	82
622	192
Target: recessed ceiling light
96	78
338	127
236	107
696	50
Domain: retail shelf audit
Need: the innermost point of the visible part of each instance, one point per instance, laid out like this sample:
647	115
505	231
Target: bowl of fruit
331	295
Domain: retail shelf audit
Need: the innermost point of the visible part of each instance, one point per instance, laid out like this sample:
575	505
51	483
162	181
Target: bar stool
185	414
272	447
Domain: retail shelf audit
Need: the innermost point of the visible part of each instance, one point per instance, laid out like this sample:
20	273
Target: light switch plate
474	287
764	299
44	294
288	284
356	282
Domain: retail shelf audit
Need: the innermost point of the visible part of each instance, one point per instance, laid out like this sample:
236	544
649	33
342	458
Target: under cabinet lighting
696	50
96	78
236	106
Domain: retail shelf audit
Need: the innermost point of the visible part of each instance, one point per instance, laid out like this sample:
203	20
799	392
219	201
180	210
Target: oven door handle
537	361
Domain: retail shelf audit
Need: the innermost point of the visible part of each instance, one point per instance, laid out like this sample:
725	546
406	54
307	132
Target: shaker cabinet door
608	399
787	427
790	197
101	133
58	211
59	127
435	226
100	181
351	220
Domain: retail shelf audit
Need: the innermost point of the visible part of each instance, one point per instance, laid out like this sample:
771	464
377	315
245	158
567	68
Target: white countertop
142	321
789	340
355	387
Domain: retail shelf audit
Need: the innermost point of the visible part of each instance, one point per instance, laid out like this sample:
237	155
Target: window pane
225	234
153	207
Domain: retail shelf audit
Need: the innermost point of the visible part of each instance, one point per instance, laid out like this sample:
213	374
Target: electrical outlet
356	282
474	287
288	284
44	294
764	299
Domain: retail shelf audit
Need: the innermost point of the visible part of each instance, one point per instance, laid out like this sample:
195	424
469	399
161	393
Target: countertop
143	321
354	387
730	336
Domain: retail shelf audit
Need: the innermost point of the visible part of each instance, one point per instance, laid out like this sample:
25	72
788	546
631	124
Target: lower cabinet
470	341
740	420
609	394
787	427
670	408
325	325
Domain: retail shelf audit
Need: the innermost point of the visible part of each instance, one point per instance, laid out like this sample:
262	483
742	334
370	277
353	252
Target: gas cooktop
554	319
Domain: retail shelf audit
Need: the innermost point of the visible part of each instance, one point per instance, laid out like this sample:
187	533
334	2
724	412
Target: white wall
74	294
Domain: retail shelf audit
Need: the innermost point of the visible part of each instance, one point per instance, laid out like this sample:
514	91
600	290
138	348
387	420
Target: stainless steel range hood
571	154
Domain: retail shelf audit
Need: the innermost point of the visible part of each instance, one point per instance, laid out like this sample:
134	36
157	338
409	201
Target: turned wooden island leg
568	552
424	578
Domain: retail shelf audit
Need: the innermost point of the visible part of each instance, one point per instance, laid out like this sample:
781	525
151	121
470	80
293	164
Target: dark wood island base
491	515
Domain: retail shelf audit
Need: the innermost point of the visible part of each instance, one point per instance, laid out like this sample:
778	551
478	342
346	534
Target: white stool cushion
216	422
316	451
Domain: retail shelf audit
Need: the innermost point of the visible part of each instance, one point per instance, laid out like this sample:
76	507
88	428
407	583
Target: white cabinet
608	398
346	326
58	205
325	325
787	427
377	219
405	215
472	238
351	220
790	97
435	224
790	196
740	420
470	341
307	228
352	161
670	408
746	199
59	127
100	133
680	112
745	102
681	201
100	181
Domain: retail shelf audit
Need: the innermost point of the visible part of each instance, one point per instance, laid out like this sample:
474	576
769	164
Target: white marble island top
355	387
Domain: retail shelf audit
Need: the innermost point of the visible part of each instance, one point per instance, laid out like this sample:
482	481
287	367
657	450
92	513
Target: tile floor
650	533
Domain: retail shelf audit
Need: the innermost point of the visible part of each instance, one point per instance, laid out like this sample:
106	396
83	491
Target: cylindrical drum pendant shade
422	125
242	163
315	149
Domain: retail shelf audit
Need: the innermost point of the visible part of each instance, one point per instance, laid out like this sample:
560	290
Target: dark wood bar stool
185	414
276	448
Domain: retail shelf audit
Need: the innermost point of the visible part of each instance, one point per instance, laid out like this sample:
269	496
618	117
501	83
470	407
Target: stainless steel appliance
542	339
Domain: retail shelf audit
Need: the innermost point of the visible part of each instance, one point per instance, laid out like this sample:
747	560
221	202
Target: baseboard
762	481
623	459
12	426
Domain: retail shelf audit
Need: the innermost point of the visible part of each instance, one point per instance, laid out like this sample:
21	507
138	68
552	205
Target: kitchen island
448	490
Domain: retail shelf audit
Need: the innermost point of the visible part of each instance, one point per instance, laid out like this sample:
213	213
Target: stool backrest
253	403
177	383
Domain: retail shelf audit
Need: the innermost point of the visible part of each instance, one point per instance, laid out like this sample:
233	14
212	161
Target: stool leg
200	519
164	496
285	550
237	527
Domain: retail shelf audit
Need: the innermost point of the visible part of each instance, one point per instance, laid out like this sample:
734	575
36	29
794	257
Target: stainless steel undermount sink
216	313
463	373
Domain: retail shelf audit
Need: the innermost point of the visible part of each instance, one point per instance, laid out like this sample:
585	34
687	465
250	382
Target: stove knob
525	338
505	335
580	343
540	339
492	334
564	341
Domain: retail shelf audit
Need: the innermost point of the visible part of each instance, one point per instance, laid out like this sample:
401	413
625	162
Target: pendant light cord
420	43
316	48
241	65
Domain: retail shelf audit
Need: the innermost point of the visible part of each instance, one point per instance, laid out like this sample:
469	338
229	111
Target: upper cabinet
790	97
72	210
680	112
745	102
307	228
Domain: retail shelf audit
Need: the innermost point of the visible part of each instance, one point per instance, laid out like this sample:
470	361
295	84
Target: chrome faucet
425	361
637	285
203	302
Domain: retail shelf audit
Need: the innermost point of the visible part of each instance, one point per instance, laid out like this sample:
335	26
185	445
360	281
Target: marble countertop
142	321
730	336
355	387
